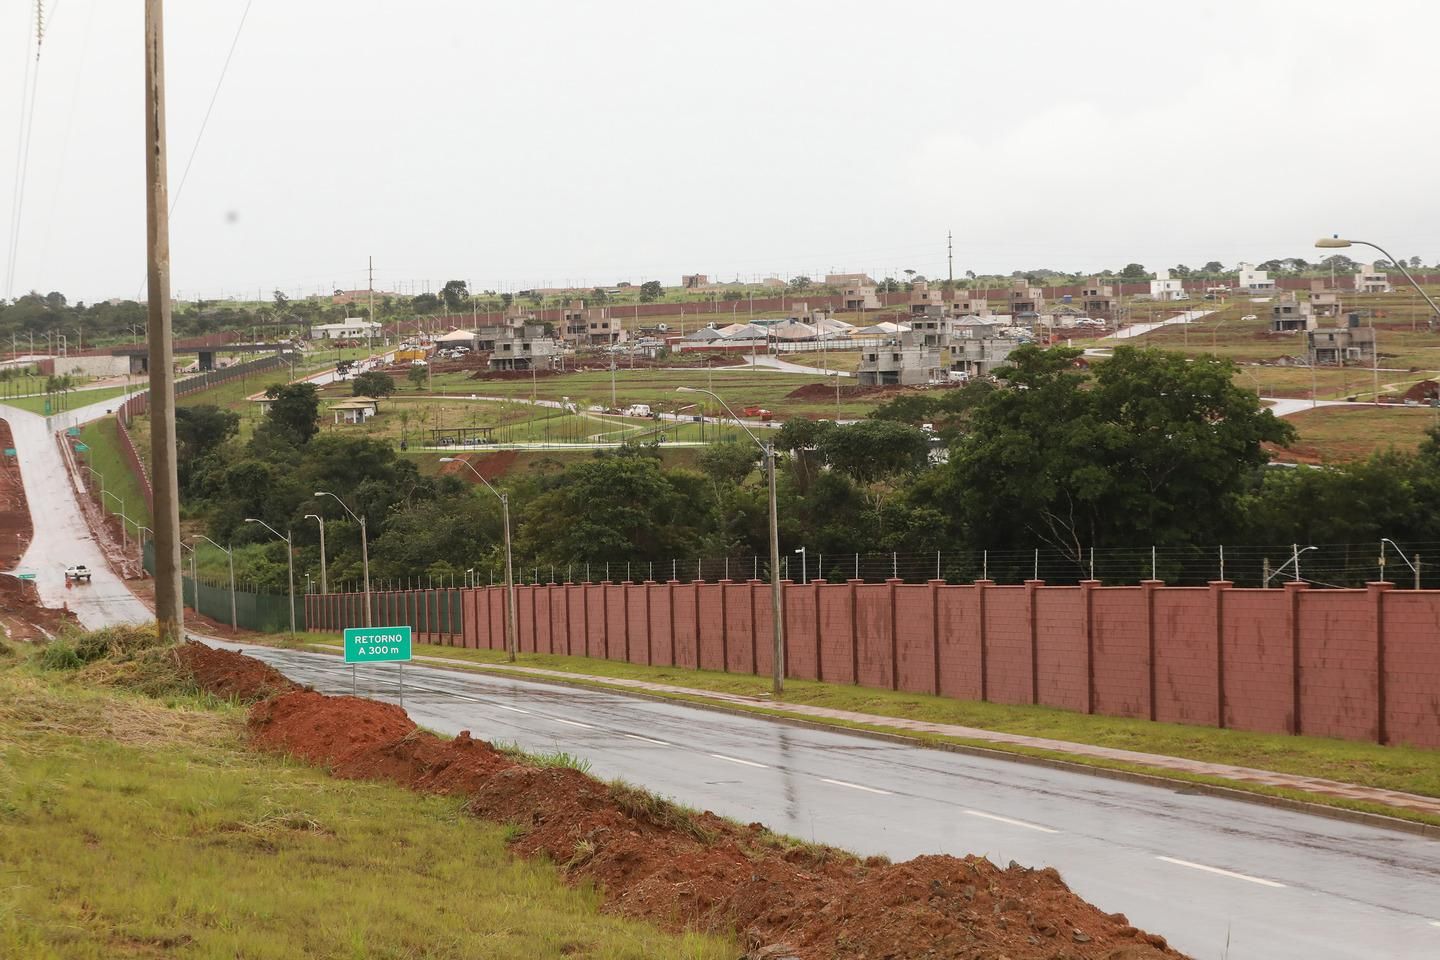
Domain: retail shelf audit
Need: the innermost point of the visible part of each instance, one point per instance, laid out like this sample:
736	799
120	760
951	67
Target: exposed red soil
490	465
232	675
1424	391
826	391
21	613
678	870
15	528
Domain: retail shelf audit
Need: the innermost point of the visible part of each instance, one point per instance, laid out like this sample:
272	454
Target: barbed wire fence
1347	565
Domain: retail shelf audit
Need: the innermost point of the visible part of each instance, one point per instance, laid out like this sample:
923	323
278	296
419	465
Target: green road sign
82	448
9	451
27	576
47	406
73	432
377	644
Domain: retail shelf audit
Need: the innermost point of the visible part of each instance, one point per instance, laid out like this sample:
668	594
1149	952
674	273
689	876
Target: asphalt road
61	536
1219	878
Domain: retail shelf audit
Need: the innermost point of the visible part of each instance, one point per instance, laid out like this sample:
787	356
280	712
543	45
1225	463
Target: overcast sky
543	142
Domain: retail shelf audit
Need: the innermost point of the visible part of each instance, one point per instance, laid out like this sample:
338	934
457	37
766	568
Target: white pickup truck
78	572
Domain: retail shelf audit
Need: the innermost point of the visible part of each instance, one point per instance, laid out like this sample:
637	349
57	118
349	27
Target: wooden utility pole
169	607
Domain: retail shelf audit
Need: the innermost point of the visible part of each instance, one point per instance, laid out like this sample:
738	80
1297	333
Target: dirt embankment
679	869
492	466
21	613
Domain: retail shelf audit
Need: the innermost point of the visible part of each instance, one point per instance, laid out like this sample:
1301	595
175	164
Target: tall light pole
290	566
230	555
768	449
364	548
168	600
1332	243
510	638
324	587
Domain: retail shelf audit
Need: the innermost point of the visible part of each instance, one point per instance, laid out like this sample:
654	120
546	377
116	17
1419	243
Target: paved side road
1205	872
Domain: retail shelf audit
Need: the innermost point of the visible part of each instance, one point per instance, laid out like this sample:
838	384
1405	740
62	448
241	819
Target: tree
1150	447
613	508
730	296
599	296
1134	271
1181	271
455	294
200	429
1416	263
1339	263
800	283
424	303
1213	267
872	450
295	410
416	376
650	291
373	383
281	301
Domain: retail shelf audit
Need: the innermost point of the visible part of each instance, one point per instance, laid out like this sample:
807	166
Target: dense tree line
1146	448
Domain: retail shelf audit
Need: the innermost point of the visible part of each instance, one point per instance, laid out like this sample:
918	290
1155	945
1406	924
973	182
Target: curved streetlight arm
201	536
343	506
721	400
268	527
480	476
1392	543
1293	559
1329	243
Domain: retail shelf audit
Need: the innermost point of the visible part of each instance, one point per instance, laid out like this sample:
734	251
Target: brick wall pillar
1218	589
1293	589
1149	587
819	644
1030	587
854	631
935	586
1376	593
981	586
725	624
894	638
1087	600
650	624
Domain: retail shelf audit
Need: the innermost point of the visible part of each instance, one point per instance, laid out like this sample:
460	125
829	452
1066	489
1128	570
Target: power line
30	86
224	69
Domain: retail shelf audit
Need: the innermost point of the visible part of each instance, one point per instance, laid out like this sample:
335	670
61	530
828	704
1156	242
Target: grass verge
107	460
138	829
1407	769
72	400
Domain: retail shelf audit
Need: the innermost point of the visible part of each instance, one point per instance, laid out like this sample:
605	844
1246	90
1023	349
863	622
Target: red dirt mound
826	391
492	466
364	740
698	871
232	675
1423	392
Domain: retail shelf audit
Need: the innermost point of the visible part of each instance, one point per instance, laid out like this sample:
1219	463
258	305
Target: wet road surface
1203	871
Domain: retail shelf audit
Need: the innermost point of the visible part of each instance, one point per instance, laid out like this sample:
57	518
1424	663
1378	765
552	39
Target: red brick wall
1061	648
1185	671
1360	664
1412	668
1007	644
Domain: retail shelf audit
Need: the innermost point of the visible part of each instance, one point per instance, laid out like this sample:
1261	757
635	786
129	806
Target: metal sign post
378	645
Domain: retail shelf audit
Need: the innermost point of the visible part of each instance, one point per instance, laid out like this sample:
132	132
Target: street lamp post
324	583
364	549
510	638
230	555
124	539
290	566
1332	243
768	449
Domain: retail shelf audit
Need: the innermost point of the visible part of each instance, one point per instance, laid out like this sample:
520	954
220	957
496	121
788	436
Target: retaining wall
1355	664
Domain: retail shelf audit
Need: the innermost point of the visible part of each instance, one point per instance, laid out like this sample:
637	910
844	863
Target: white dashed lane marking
1014	823
748	763
658	743
856	786
1224	873
573	723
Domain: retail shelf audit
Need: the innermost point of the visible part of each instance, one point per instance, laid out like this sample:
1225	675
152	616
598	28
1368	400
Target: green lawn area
139	828
1353	433
1397	768
740	386
70	401
106	458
